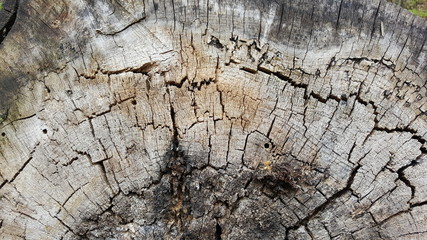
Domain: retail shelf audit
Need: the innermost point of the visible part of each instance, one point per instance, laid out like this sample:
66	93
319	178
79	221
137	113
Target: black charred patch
216	43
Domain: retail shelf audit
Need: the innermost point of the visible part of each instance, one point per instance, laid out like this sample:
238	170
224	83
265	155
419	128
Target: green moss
411	4
416	7
418	12
1	5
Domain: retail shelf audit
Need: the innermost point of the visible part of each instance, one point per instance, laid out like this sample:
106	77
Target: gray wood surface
213	119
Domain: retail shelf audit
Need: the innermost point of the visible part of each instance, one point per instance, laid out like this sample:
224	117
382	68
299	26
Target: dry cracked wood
213	119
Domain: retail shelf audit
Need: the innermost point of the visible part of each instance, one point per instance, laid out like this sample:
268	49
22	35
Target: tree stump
213	119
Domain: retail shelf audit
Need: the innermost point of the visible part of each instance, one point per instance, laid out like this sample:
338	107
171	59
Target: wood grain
213	119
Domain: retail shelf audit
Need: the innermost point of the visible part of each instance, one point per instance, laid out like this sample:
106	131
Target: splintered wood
214	120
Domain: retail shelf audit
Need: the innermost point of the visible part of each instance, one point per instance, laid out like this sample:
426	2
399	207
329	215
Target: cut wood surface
213	119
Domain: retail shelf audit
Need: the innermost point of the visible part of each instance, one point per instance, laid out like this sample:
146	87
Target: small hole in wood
266	145
3	134
44	131
133	102
218	232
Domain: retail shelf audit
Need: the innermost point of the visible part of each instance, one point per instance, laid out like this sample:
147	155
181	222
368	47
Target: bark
213	119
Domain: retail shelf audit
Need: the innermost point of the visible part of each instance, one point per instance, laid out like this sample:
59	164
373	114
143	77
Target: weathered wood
213	120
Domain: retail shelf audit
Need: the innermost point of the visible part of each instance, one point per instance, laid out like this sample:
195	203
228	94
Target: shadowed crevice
8	8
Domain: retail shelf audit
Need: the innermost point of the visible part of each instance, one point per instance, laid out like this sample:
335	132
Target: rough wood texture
213	119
